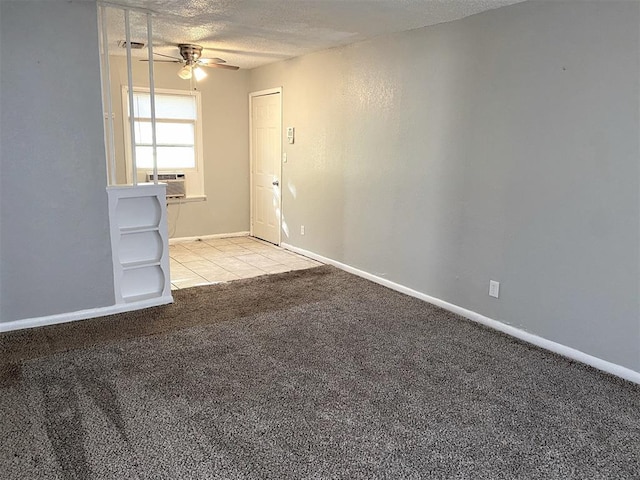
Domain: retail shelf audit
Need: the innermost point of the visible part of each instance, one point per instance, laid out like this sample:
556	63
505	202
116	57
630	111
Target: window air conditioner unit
175	183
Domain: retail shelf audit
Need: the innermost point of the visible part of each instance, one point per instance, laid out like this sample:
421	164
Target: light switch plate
494	288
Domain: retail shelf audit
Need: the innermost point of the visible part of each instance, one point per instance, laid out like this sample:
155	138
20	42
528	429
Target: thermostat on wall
290	131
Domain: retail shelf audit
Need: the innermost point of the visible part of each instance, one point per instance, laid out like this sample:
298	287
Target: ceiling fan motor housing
191	53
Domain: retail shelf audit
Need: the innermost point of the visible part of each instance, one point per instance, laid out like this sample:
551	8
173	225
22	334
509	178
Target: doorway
266	171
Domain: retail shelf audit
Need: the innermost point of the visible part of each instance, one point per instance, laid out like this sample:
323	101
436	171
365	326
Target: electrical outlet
301	229
494	288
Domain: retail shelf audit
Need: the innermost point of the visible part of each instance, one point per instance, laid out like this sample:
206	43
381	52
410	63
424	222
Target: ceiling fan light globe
185	72
199	73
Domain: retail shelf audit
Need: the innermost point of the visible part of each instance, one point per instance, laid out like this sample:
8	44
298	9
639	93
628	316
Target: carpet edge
563	350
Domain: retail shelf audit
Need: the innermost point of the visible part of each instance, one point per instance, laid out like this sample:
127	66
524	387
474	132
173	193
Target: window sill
193	198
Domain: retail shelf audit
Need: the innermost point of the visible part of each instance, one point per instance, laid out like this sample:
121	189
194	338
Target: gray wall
502	146
55	253
225	123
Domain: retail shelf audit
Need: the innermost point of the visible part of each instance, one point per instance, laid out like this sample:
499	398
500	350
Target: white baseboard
572	353
174	241
83	314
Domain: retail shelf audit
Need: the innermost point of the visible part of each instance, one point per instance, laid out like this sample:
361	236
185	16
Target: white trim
191	198
260	93
565	351
107	100
268	91
121	7
83	314
174	241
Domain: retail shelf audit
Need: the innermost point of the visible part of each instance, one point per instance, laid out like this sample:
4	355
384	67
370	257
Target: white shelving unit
140	243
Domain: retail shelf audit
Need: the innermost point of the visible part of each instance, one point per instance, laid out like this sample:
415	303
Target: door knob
275	182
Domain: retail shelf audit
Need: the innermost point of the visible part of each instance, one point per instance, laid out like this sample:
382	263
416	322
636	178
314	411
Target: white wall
55	252
225	146
502	146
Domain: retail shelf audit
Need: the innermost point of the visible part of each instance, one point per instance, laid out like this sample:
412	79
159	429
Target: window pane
176	106
166	133
181	107
173	158
141	105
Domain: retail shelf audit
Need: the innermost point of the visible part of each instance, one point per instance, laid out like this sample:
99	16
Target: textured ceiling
250	33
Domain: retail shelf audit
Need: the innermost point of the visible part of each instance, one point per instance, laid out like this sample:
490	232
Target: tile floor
203	262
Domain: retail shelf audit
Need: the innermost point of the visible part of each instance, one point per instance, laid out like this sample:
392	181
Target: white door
266	137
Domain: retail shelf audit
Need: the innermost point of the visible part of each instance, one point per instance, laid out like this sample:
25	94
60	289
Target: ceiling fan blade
212	60
160	61
220	65
168	56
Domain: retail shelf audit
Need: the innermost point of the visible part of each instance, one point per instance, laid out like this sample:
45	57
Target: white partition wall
137	212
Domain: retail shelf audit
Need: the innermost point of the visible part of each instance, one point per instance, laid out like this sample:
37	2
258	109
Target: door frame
252	95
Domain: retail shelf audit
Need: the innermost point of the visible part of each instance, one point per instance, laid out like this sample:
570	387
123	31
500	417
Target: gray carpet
309	374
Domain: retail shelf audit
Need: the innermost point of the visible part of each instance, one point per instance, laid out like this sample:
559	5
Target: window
178	135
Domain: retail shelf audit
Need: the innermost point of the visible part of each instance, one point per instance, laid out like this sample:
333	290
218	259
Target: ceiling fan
192	62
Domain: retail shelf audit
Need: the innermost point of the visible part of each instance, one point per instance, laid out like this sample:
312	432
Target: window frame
194	175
